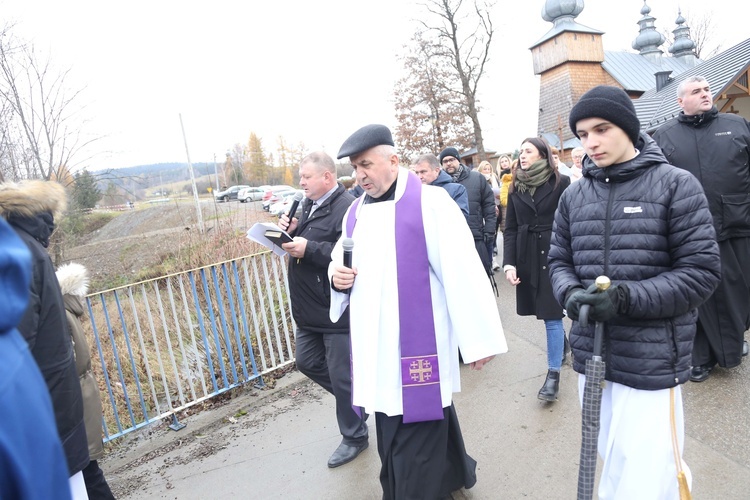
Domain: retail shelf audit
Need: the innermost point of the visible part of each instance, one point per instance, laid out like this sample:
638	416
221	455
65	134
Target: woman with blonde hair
485	168
533	195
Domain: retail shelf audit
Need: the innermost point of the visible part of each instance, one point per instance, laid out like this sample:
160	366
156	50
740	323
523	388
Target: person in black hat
646	225
482	215
715	148
412	264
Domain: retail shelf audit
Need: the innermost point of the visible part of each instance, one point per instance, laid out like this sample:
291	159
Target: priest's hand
478	364
287	225
343	277
296	247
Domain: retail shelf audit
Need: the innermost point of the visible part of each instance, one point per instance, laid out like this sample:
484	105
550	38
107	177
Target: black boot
551	386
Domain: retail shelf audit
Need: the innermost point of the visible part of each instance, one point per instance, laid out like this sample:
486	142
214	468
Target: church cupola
648	40
683	47
561	11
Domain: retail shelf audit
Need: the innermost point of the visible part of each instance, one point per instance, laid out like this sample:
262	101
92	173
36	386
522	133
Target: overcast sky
310	71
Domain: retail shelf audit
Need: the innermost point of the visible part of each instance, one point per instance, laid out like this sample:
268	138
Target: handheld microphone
295	204
348	246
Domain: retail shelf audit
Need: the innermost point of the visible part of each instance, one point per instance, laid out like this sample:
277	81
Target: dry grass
179	334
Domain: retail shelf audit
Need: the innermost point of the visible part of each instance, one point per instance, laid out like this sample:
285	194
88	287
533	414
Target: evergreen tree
85	191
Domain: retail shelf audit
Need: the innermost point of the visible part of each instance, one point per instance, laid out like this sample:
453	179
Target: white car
283	205
252	193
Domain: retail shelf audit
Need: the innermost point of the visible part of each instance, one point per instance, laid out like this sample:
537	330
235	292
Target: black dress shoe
346	453
700	373
745	348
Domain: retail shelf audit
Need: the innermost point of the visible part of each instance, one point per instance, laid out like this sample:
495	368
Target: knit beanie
449	152
609	103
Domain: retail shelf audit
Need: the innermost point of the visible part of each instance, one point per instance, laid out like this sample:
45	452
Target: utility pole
216	174
192	180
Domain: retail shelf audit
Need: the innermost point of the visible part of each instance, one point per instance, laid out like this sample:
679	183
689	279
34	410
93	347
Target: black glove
606	304
572	304
489	239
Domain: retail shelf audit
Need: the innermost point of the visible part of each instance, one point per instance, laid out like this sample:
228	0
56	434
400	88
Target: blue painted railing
169	343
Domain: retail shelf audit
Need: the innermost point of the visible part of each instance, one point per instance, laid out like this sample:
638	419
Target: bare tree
40	119
466	37
233	167
429	108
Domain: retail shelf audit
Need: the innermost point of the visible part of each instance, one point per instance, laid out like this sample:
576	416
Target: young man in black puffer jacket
646	225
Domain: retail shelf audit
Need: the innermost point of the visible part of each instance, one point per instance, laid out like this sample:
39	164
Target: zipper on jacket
607	225
672	331
607	228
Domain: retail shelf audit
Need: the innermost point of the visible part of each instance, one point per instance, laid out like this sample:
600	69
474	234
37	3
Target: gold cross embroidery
420	370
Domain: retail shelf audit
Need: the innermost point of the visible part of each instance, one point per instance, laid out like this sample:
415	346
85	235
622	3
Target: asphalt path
276	445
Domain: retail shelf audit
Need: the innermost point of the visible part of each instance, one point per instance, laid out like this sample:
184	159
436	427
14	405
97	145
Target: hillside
156	240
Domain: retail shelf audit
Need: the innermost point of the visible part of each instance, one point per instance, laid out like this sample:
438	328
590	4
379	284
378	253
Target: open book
269	235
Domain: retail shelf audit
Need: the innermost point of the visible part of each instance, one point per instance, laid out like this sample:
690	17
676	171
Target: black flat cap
365	138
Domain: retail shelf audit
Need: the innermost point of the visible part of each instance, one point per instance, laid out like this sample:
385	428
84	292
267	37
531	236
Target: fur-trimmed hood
31	198
73	279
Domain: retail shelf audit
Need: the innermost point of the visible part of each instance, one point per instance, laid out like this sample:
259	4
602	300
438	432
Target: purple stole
420	375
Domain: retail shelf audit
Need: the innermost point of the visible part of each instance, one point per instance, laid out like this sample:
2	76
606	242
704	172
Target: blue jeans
555	343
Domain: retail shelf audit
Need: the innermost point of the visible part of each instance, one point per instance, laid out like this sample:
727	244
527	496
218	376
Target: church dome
648	39
683	44
555	9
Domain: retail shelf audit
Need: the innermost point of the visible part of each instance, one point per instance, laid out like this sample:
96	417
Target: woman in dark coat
533	194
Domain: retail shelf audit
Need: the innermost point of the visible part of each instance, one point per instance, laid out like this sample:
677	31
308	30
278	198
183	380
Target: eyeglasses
449	160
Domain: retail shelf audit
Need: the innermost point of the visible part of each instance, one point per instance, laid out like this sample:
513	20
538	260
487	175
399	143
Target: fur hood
30	198
73	279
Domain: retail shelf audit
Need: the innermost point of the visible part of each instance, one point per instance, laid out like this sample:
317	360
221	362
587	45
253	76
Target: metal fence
167	344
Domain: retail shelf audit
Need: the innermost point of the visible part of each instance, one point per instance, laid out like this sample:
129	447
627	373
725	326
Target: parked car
280	188
284	203
230	193
252	193
276	197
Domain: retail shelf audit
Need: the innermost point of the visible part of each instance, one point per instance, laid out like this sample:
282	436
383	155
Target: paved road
275	444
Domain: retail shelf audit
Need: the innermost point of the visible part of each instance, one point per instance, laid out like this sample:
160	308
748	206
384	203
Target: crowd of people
654	215
378	274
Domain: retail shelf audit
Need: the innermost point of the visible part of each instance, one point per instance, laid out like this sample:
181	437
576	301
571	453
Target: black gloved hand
572	304
489	238
606	304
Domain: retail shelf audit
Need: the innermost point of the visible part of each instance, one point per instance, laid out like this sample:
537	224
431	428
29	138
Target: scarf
533	177
456	175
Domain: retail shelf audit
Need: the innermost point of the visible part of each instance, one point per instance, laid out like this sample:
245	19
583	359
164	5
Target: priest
412	266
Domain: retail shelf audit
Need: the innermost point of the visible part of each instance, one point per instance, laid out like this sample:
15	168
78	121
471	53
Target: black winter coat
528	228
482	218
45	328
715	148
308	277
646	225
